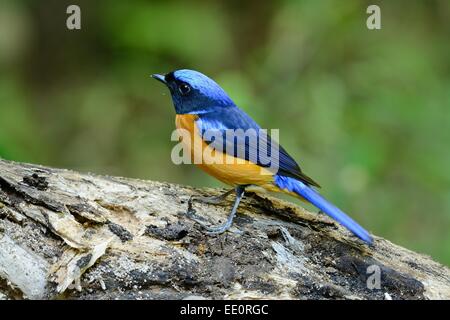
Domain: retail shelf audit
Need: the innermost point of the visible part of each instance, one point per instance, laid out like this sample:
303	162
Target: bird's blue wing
214	126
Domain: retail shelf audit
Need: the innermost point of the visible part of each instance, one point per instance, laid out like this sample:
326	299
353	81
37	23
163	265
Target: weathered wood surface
65	234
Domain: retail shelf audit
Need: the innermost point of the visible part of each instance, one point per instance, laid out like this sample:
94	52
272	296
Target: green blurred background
366	113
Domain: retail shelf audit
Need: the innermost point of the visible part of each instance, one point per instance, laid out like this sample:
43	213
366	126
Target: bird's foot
214	230
210	230
210	200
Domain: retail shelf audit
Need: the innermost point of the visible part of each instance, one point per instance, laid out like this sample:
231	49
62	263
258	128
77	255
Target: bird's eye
184	88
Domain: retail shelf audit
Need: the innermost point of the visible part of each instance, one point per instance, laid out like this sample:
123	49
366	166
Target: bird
201	105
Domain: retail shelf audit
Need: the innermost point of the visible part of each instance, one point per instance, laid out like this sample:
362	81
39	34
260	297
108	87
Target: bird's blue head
193	92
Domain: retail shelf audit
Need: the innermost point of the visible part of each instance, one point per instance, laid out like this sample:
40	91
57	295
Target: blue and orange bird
202	105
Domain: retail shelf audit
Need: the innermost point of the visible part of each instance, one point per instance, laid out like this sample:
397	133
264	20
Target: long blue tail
318	201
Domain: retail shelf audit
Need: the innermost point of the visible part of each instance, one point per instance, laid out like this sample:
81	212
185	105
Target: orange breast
226	168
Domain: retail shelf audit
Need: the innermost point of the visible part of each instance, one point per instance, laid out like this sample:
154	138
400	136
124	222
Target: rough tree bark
65	234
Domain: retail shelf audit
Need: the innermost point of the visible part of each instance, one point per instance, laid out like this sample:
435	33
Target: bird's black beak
160	78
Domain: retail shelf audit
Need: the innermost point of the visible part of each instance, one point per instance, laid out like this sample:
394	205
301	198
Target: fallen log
65	234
